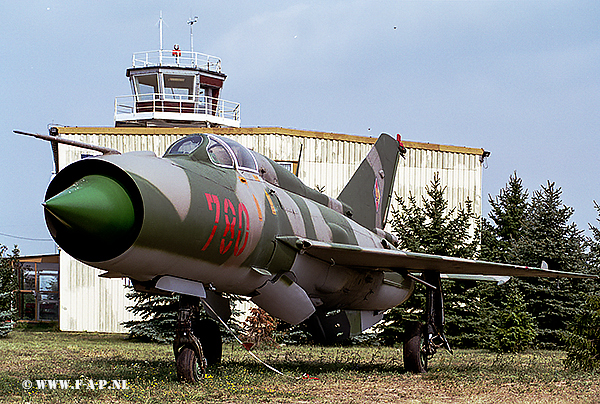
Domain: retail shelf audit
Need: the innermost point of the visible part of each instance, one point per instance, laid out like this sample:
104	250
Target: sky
520	79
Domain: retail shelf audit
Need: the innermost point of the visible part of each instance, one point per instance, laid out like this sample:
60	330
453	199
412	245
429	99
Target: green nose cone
95	208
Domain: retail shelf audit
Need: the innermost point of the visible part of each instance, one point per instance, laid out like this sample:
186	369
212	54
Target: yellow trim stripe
260	216
259	131
273	211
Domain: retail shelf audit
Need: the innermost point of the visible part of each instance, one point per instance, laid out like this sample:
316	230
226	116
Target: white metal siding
89	303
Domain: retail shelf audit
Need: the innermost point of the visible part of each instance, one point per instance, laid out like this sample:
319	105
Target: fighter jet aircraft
211	217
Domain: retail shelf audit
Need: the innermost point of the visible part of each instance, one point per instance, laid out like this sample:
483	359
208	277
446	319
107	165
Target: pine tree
515	330
8	285
549	236
507	216
593	258
508	326
433	228
158	316
583	335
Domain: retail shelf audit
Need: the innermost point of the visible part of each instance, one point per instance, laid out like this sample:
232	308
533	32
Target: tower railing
177	58
178	107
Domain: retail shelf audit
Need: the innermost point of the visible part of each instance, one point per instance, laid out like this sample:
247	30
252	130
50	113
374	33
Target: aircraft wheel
189	366
415	358
209	334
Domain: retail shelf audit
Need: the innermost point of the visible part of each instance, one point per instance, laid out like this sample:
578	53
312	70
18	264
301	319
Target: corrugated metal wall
89	303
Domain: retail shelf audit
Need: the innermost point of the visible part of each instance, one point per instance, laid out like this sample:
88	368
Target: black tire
415	359
189	368
209	334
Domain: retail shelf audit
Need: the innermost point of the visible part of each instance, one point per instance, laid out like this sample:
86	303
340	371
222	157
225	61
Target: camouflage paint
219	226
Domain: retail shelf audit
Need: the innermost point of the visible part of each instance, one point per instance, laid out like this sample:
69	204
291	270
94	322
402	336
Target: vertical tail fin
369	191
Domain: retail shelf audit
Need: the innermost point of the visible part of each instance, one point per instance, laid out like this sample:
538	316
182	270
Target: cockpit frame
222	151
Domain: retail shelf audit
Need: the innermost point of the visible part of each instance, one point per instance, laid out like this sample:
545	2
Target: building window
37	298
291	166
286	164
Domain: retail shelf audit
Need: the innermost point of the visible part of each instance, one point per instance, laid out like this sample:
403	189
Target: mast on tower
191	22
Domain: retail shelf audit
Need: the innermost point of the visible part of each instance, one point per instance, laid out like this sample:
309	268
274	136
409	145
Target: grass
335	374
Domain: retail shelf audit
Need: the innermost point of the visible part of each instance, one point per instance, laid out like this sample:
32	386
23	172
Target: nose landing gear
191	363
197	343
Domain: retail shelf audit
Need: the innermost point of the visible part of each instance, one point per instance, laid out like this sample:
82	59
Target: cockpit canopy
222	151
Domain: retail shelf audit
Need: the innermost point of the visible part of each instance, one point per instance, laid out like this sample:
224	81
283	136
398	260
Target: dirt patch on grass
416	389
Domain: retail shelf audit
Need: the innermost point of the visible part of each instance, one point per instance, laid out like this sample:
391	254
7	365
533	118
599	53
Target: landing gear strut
191	363
197	343
423	340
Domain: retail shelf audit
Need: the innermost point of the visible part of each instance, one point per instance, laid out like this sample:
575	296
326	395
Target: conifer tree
503	306
583	335
158	316
8	285
507	216
515	329
548	235
433	228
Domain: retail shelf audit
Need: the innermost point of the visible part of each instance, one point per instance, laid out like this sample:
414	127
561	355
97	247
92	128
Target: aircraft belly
144	264
338	287
387	296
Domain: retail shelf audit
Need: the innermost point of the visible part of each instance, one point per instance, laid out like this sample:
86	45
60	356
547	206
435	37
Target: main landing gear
197	343
422	341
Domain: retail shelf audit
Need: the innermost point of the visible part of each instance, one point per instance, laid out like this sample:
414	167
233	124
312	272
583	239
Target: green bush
516	329
583	338
8	285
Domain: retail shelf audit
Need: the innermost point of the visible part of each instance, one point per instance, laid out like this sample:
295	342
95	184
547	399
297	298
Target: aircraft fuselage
216	215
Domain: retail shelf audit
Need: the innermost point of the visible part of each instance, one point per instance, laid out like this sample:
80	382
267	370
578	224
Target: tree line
523	229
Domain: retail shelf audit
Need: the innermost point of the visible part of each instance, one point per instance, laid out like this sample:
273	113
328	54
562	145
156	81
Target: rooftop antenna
192	21
160	31
160	39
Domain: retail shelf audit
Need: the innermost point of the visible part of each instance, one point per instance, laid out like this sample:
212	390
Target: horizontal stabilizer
353	256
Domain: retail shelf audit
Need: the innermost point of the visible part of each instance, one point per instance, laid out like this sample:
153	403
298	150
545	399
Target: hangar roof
260	131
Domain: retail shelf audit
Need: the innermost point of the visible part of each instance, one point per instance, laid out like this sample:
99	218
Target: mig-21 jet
212	218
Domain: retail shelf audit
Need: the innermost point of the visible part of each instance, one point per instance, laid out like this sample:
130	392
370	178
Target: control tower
175	88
